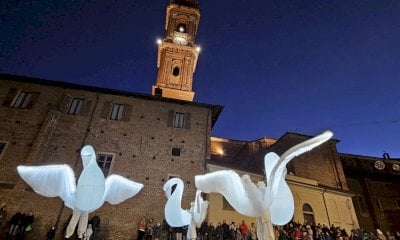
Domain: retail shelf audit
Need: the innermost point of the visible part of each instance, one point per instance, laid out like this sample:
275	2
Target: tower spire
178	52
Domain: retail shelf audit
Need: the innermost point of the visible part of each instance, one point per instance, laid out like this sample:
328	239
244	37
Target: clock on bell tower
177	52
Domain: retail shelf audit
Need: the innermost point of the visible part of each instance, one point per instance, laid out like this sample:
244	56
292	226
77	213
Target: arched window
308	214
175	71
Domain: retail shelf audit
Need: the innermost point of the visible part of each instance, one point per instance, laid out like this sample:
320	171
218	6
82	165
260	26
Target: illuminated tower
177	52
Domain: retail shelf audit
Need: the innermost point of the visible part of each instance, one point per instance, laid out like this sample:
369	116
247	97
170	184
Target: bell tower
177	52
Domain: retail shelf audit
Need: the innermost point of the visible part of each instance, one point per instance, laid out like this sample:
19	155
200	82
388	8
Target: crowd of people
20	226
147	230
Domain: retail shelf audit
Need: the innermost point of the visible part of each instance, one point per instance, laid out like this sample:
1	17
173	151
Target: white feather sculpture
90	193
176	216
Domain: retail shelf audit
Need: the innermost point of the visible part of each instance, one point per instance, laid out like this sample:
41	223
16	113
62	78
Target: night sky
276	66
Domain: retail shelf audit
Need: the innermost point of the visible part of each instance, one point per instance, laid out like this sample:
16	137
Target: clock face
396	167
379	165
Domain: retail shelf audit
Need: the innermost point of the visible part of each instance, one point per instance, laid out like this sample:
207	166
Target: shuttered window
179	119
117	112
20	99
76	105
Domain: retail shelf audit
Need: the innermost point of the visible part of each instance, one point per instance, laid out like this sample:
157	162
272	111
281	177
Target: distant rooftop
248	156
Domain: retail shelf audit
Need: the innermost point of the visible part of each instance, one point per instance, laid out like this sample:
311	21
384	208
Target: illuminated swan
271	204
90	193
175	215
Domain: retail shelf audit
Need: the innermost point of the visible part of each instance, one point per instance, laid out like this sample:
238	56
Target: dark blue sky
276	66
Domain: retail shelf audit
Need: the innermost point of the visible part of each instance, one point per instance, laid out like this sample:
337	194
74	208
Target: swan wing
51	181
297	150
229	184
199	209
270	161
279	169
203	212
118	189
282	195
254	194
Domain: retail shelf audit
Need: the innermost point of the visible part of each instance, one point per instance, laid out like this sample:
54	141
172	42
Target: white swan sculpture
90	193
176	216
271	204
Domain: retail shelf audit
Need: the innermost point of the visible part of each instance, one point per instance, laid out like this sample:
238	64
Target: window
104	161
175	71
179	120
176	152
76	106
117	112
22	100
308	214
2	148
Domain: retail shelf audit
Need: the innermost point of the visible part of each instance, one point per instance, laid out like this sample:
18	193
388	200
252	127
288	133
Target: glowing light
181	29
159	41
220	151
88	195
198	49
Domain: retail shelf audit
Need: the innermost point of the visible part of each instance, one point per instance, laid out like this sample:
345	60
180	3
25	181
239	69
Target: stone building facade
375	183
145	138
